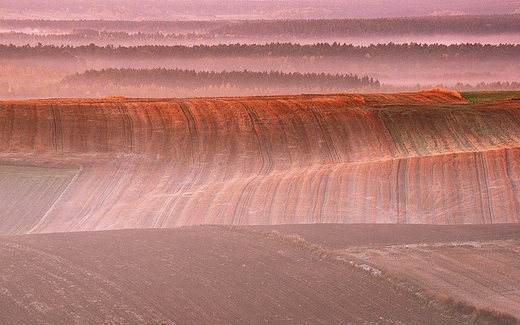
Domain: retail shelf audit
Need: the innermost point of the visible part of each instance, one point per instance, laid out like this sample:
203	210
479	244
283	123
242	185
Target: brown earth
481	273
196	275
342	236
422	158
476	264
325	167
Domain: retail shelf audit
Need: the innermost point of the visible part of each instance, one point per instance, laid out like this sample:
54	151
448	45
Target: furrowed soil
475	264
196	275
481	273
28	194
411	158
420	189
337	237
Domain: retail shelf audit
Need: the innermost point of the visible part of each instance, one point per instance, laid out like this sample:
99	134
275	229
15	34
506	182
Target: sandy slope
427	157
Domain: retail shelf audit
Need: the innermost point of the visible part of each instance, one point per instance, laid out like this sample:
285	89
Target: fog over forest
403	46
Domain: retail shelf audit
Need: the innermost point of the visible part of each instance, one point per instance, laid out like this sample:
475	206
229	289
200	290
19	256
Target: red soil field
421	158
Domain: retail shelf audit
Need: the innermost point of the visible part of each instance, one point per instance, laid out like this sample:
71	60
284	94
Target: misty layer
34	71
169	82
278	28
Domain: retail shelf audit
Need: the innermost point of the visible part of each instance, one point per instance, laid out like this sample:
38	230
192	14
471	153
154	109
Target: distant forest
100	30
380	26
385	52
171	58
183	82
191	79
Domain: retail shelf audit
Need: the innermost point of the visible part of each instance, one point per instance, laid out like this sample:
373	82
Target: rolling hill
352	209
426	158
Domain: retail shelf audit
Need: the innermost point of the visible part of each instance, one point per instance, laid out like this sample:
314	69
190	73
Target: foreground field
482	274
474	264
200	275
426	158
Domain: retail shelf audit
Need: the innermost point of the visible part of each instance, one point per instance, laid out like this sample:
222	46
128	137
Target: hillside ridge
427	157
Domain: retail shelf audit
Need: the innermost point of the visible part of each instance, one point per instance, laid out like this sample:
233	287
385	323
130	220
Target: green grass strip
489	96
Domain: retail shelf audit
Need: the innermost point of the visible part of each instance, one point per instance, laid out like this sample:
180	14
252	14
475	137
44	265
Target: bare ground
201	275
480	273
337	236
422	158
474	264
418	158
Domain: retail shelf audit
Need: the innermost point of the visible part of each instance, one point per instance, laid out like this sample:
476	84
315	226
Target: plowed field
201	275
28	194
476	264
423	158
484	274
379	179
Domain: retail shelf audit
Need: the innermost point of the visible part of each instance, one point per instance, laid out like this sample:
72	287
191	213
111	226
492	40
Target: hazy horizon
247	9
25	23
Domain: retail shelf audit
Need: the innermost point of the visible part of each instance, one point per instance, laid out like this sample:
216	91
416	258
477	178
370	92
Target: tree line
186	83
490	24
173	78
85	36
392	51
493	24
189	83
